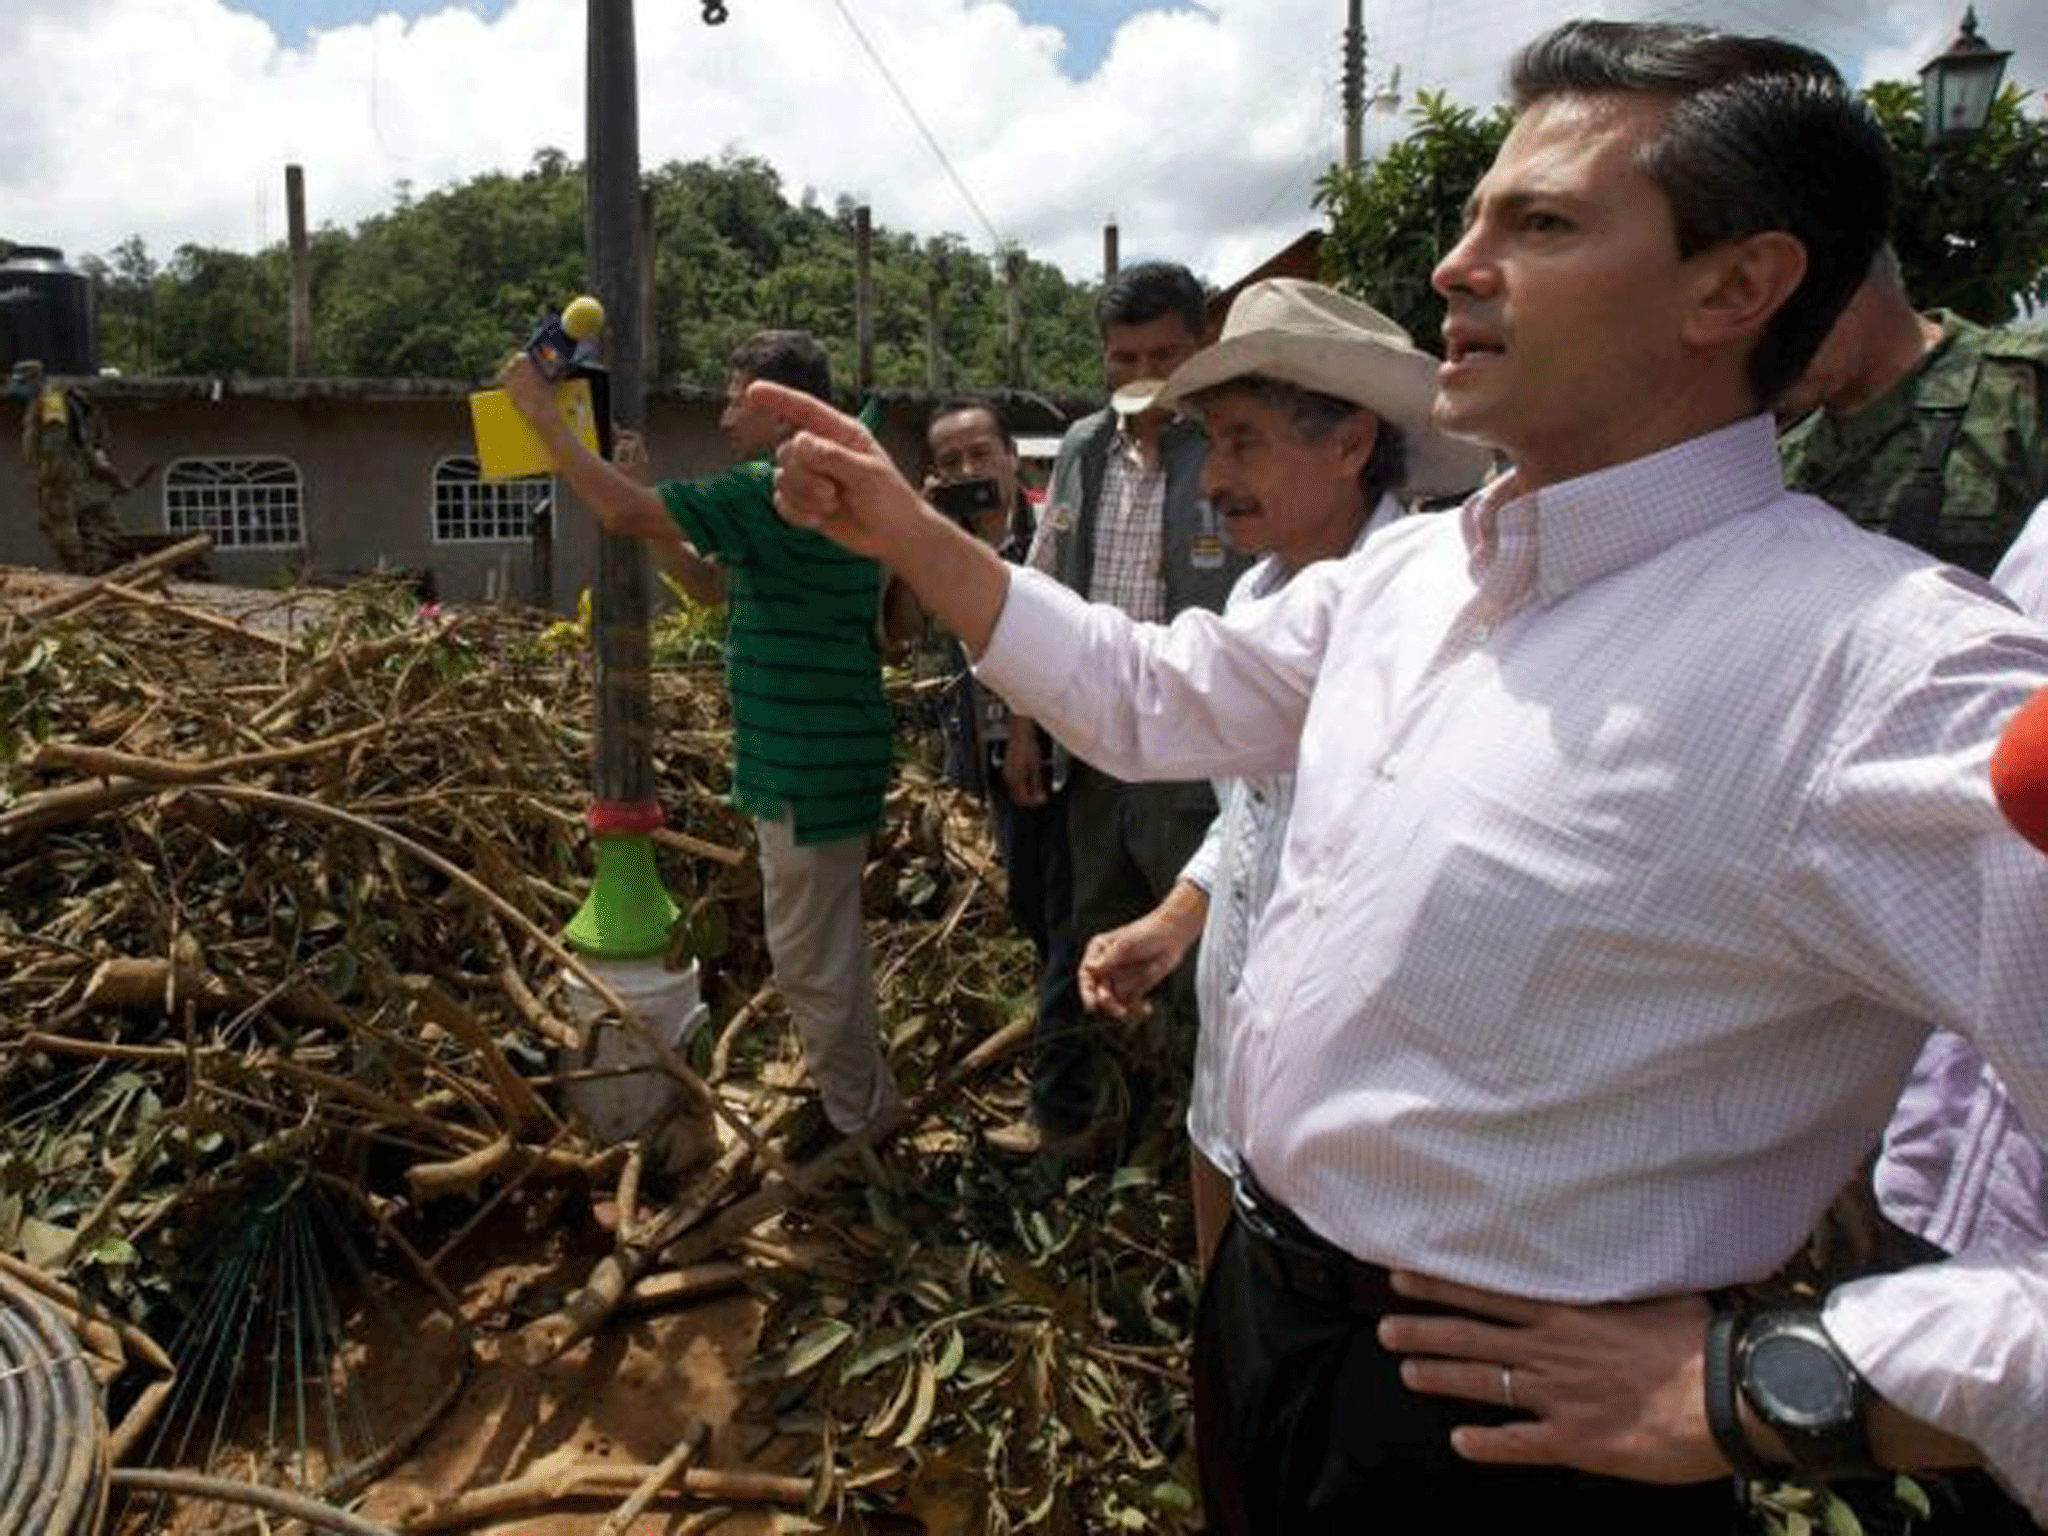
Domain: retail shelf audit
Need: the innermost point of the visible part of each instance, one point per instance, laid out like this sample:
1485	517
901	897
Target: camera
966	501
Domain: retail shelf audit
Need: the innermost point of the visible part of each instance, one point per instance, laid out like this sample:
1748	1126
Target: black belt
1298	1260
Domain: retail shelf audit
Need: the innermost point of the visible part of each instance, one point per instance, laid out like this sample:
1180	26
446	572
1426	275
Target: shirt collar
1561	537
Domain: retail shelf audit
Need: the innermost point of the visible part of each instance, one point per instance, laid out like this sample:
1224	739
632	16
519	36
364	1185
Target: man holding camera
973	480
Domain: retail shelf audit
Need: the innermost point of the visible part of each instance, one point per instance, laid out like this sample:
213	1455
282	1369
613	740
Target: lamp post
1958	87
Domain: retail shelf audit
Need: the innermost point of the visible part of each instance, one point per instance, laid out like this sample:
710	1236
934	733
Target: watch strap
1724	1416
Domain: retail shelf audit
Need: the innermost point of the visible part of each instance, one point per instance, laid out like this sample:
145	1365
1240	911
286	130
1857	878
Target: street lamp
1957	88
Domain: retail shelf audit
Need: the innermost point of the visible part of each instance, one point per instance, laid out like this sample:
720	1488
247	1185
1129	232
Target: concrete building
314	480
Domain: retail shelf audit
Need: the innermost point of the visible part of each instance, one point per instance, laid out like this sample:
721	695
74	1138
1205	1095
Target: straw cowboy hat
1306	334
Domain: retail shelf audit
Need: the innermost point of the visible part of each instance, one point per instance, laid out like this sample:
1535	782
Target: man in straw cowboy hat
1317	410
1643	828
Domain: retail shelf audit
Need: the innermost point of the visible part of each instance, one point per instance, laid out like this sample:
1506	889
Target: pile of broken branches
282	897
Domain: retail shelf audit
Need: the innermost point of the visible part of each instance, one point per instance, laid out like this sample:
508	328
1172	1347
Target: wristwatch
1795	1379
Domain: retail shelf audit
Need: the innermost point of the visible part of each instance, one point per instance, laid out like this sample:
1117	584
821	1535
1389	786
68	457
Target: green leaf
112	1251
921	1406
1837	1518
1913	1496
950	1356
811	1351
1173	1497
893	1345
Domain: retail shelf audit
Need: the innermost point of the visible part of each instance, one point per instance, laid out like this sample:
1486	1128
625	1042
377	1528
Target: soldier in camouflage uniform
1927	427
65	443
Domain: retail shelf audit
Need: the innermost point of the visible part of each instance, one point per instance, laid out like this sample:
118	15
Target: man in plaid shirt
1125	523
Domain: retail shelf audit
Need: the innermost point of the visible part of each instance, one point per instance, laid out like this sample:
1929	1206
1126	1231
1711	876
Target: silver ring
1507	1387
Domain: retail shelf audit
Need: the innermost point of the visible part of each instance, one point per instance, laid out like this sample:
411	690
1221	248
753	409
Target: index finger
807	413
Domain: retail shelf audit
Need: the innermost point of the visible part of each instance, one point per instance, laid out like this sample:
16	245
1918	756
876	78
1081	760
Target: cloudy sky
1200	127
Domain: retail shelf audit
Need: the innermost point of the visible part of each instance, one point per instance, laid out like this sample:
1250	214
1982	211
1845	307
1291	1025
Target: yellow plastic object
507	448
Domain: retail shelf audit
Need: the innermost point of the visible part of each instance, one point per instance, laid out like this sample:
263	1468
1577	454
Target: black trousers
1303	1427
1040	873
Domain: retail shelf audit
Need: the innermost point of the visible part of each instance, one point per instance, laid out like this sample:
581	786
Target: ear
1740	285
1356	436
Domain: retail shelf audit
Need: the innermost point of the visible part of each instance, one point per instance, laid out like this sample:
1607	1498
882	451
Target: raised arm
625	506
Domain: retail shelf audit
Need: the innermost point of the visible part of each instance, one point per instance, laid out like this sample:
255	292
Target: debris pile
279	959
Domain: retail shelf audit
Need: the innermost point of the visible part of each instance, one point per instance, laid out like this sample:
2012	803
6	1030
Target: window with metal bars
244	503
469	509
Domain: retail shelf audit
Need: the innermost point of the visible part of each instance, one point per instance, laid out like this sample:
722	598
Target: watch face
1798	1381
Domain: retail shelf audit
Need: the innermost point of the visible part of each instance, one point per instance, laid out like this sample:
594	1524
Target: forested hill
447	282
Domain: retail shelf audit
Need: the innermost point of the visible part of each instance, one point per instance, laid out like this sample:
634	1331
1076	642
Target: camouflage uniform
65	443
1952	458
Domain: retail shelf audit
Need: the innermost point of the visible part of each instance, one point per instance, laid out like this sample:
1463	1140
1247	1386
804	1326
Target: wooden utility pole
299	334
650	338
863	299
624	770
1354	86
934	343
1013	285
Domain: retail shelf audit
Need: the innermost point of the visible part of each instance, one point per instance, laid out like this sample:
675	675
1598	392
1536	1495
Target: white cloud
1202	131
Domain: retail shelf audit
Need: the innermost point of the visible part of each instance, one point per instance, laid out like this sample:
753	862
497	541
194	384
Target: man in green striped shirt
813	742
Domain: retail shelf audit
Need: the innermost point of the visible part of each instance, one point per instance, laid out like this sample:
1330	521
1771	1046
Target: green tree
1972	226
221	312
124	286
1392	220
445	282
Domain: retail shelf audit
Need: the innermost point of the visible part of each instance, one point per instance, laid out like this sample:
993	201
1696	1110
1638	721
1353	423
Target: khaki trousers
810	898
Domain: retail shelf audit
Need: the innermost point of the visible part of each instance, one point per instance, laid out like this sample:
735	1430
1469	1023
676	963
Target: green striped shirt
812	730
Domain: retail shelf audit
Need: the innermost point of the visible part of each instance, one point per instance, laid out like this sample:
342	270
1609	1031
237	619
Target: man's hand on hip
1616	1389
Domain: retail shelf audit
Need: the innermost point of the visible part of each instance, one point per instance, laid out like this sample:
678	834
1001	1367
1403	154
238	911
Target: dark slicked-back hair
954	405
1149	289
785	357
1762	135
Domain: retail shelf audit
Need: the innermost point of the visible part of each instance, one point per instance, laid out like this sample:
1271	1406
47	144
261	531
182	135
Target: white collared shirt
1642	826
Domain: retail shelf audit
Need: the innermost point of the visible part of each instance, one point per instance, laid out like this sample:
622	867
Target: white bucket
665	1002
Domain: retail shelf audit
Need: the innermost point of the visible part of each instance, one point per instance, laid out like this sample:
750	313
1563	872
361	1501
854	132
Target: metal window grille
243	503
470	509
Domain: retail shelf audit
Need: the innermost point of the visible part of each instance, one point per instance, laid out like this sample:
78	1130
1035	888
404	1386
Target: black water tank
46	312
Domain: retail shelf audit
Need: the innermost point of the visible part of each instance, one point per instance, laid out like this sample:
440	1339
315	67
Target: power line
959	182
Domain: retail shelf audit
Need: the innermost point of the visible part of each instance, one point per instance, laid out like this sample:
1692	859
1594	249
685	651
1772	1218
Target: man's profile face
751	431
1148	349
1566	297
1275	491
